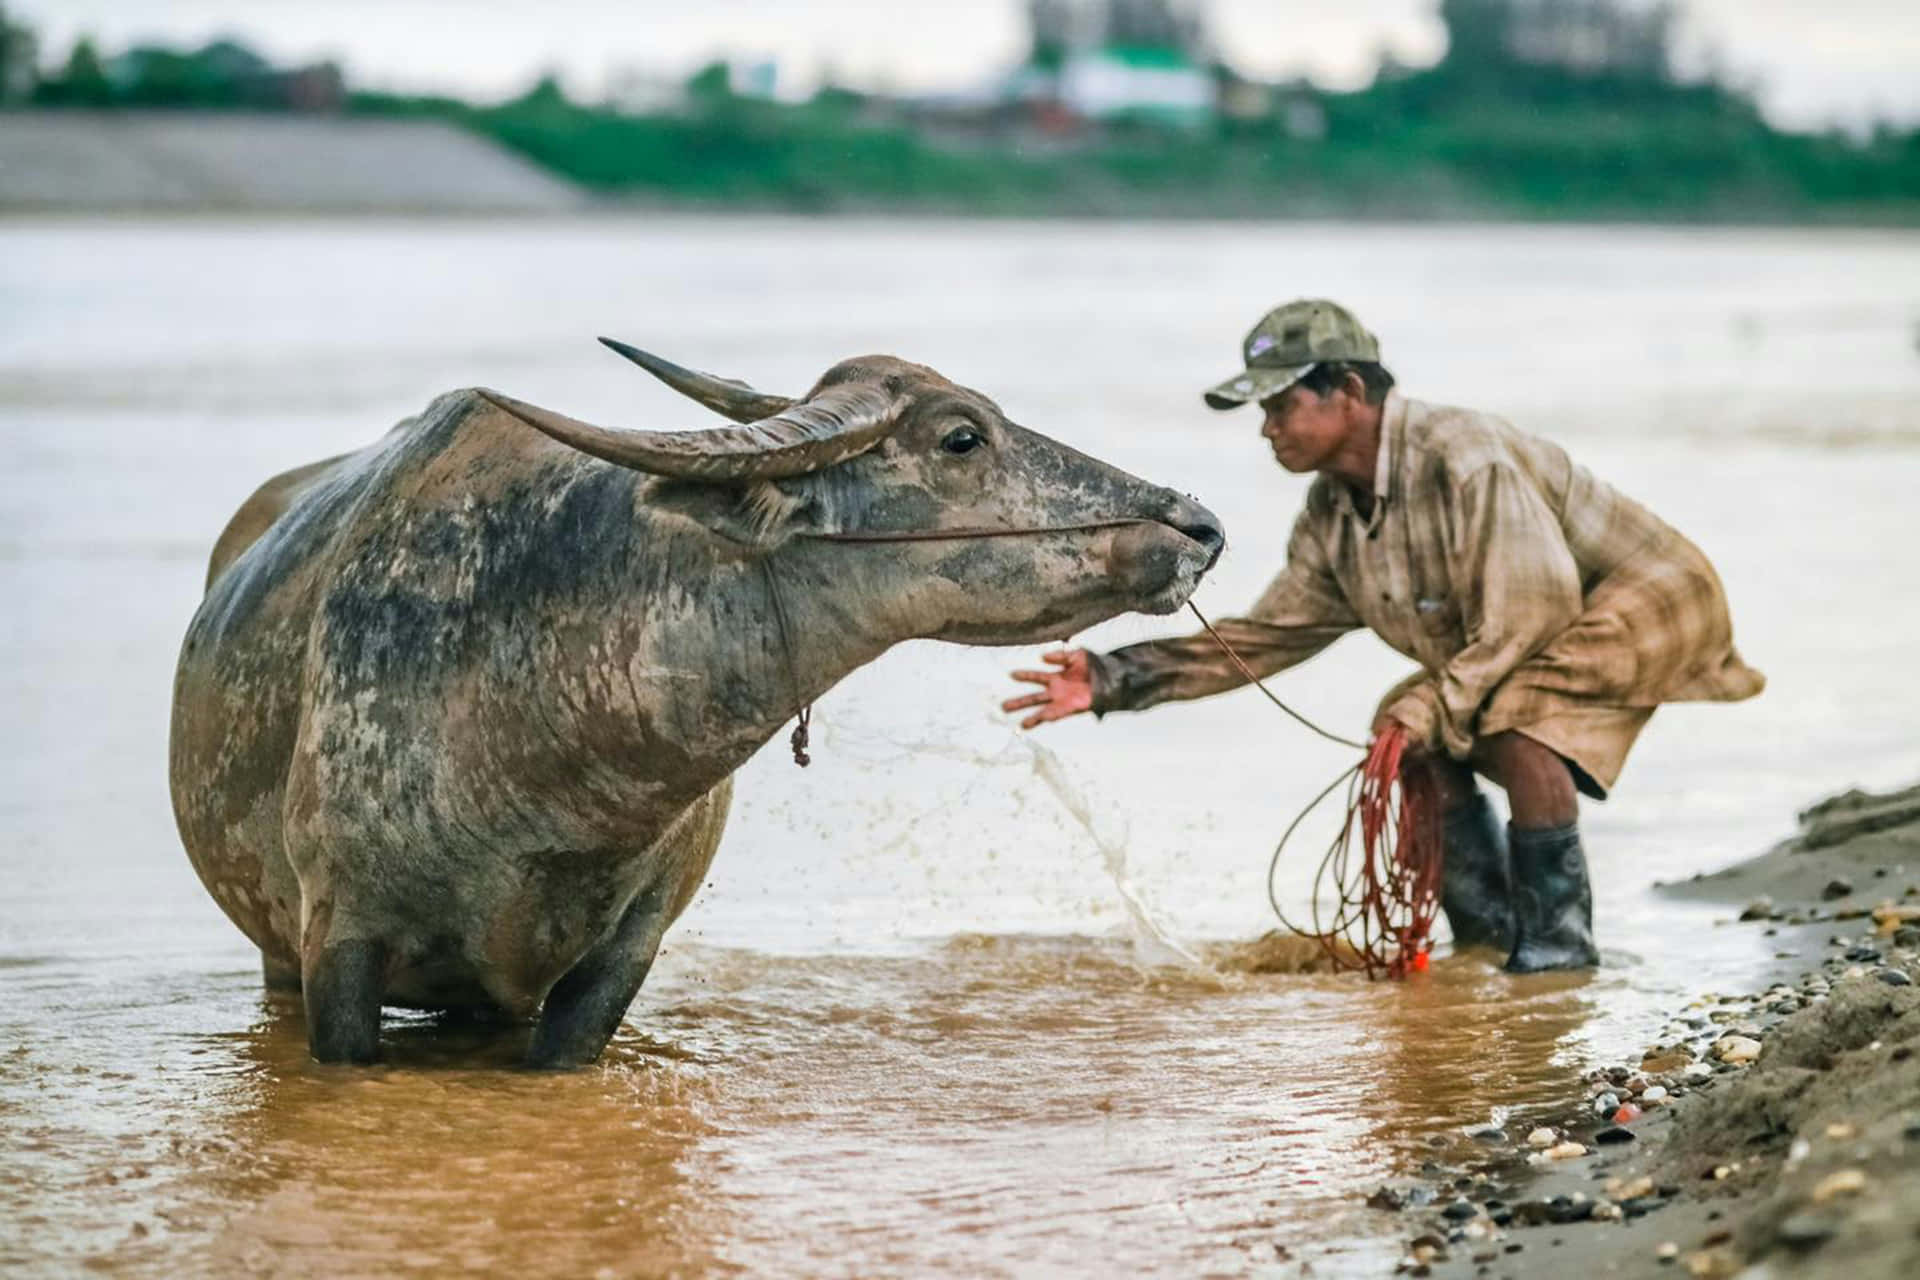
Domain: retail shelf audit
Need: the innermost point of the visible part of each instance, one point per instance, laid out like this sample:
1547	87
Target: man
1549	613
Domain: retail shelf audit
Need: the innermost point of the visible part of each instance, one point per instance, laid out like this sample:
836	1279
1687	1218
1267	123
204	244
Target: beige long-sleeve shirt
1526	589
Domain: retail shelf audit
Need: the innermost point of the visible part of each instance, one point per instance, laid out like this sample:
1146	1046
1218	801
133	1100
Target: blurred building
1104	61
1061	26
19	51
640	90
1588	37
754	78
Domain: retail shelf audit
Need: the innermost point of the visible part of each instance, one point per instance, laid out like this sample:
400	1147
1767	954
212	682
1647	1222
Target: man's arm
1300	613
1520	588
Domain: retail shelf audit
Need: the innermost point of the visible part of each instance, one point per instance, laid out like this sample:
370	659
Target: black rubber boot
1552	901
1473	879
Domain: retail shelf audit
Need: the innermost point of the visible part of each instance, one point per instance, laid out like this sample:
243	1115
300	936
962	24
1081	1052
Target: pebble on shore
1843	1182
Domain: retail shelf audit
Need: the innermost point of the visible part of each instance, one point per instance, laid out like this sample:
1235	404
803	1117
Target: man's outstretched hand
1066	690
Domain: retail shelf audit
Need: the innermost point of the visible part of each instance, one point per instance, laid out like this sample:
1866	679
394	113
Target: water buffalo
455	725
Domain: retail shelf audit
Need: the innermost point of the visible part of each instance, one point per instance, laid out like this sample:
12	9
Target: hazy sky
1815	61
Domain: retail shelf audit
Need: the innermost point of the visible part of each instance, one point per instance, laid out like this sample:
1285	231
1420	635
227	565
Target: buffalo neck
721	645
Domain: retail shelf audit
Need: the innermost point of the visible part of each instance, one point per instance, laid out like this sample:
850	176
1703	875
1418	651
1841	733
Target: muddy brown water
912	1025
1002	1103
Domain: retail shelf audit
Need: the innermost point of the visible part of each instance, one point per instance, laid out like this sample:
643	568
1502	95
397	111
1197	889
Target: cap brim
1252	385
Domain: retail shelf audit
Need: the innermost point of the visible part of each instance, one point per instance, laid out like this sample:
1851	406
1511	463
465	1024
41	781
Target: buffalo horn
833	426
725	396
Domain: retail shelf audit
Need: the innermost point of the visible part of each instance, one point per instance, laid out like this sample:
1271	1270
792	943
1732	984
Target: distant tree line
222	75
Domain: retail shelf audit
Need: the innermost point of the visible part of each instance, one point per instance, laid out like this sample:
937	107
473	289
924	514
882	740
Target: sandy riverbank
1768	1134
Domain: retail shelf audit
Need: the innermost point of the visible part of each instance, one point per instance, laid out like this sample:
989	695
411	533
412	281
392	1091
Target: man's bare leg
1539	786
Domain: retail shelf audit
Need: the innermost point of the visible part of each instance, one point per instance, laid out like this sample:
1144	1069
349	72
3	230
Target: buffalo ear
763	514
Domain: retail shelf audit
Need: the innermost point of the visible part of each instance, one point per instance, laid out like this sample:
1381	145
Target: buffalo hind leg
343	983
585	1007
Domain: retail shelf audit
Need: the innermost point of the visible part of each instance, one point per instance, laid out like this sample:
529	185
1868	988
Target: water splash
1153	946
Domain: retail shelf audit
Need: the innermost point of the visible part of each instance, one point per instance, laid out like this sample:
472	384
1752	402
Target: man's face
1304	428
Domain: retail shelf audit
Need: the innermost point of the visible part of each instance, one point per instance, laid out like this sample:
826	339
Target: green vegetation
722	149
1426	144
1505	126
1538	140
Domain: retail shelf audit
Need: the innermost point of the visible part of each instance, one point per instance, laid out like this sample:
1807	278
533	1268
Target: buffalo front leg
585	1007
278	975
343	978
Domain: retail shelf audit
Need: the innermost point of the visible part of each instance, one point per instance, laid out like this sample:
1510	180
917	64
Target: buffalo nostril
1196	523
1209	536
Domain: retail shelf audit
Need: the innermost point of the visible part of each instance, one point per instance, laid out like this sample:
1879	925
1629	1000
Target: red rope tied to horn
1386	891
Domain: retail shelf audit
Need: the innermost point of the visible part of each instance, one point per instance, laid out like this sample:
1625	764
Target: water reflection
1471	1043
257	1161
448	1158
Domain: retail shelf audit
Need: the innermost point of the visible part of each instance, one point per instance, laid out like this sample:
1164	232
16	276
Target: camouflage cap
1287	343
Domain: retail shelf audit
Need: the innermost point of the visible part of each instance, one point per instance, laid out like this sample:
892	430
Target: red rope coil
1386	898
1385	884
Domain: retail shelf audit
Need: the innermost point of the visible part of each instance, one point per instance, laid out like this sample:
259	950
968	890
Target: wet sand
1789	1144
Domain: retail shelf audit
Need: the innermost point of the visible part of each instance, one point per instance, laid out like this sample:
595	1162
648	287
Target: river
910	1026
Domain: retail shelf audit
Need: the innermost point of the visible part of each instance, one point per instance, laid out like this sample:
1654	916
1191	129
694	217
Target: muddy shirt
1532	595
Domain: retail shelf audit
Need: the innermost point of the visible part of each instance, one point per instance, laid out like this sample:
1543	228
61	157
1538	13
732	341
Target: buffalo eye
963	440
